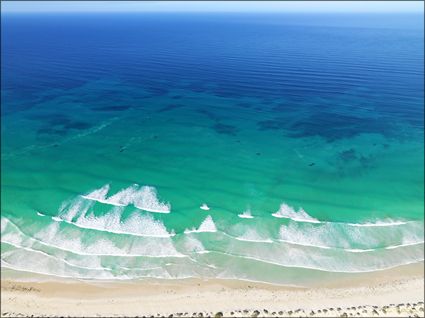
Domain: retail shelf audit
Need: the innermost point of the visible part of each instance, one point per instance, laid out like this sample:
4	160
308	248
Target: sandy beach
396	292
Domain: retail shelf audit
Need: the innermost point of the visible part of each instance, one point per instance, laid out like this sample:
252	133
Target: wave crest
144	198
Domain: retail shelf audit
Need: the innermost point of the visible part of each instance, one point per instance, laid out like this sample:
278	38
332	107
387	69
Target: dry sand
393	293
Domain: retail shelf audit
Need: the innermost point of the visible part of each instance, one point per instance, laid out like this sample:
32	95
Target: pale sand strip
385	290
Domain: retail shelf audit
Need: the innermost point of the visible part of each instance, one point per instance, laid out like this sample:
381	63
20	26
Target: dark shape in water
271	124
51	131
77	125
225	129
209	114
169	107
111	108
59	120
52	119
348	155
312	164
258	153
157	90
366	162
335	126
267	102
244	105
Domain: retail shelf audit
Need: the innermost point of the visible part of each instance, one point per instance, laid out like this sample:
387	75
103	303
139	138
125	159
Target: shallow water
273	148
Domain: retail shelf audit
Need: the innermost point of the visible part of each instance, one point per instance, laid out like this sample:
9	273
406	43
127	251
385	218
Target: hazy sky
213	6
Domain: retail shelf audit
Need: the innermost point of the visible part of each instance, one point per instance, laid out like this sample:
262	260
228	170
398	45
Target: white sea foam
135	224
288	212
246	215
40	214
98	194
206	226
42	263
329	259
83	263
3	222
193	245
124	197
378	223
73	209
143	198
252	236
71	241
147	200
326	263
204	207
344	236
12	238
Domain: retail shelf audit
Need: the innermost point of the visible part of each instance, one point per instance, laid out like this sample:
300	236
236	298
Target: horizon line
212	6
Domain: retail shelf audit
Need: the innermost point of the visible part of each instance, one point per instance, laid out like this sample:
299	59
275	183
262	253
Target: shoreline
395	292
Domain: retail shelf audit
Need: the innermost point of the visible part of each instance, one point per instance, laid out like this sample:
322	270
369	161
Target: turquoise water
249	147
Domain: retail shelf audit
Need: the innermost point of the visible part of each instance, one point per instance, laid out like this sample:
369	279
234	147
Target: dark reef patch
51	131
209	114
58	124
335	126
244	105
79	125
271	124
119	108
225	129
169	107
53	119
348	155
328	126
157	91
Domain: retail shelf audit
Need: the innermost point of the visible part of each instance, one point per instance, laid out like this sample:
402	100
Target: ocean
277	148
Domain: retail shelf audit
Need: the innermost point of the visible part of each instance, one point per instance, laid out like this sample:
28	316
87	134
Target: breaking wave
122	244
246	215
77	213
288	212
144	198
207	225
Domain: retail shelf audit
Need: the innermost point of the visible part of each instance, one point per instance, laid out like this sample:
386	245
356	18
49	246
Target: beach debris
218	315
204	207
